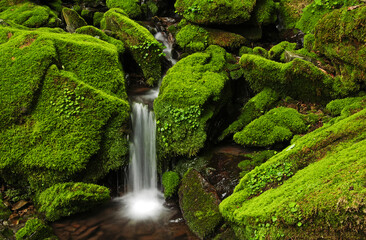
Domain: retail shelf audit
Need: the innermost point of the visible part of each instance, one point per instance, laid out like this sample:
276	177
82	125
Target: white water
144	200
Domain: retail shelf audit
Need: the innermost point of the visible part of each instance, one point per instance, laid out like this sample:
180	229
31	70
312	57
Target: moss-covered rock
254	108
265	12
260	52
191	93
277	52
193	38
276	126
28	14
131	7
34	229
215	11
313	188
299	79
145	49
97	18
245	50
170	181
339	36
316	10
57	104
73	19
65	199
290	12
199	203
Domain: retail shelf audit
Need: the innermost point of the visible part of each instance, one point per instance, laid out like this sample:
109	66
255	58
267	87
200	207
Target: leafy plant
69	104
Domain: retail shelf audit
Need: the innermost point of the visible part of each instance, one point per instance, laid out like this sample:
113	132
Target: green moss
58	118
131	7
325	198
34	229
265	12
199	204
299	79
245	50
193	38
277	52
66	199
145	49
260	52
254	108
191	93
29	14
215	11
170	181
309	40
345	105
278	125
97	18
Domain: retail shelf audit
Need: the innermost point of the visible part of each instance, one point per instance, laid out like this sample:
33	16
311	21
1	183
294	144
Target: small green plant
149	47
188	115
193	9
295	210
69	104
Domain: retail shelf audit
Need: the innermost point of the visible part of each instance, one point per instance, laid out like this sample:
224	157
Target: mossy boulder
313	188
317	9
199	204
63	114
298	79
290	12
215	11
65	199
170	181
145	49
265	12
339	36
131	7
73	19
193	38
345	106
277	52
28	14
254	108
34	229
191	93
260	52
276	126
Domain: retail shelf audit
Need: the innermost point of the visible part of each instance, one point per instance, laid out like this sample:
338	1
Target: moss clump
277	52
72	19
316	10
170	181
131	7
215	11
325	198
276	126
57	104
34	229
245	50
65	199
299	79
199	203
344	106
97	18
191	93
145	49
254	108
192	38
29	14
260	52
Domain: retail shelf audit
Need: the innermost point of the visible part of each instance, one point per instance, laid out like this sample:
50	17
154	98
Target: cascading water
144	199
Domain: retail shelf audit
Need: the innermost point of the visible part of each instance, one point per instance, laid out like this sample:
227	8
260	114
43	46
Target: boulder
72	19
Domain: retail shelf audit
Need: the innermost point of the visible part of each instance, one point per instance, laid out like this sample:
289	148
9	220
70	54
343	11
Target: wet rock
199	202
72	19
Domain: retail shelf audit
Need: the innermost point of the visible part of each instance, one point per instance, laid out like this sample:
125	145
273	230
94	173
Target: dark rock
72	19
